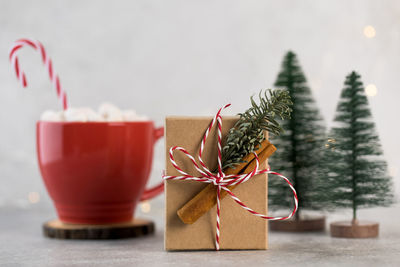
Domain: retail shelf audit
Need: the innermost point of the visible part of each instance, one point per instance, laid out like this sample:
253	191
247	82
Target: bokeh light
33	197
393	171
145	207
371	90
369	31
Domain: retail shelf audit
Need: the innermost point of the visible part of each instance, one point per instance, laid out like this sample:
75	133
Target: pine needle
248	133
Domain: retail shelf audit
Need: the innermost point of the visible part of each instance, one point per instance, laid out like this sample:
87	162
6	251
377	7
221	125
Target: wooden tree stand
134	228
355	229
300	225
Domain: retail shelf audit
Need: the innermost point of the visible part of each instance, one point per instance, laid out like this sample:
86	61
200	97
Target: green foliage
248	132
356	175
299	148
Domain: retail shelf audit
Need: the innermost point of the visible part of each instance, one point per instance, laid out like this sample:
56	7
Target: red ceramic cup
96	172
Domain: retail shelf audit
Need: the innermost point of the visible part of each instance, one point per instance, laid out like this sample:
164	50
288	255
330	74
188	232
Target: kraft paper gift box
238	228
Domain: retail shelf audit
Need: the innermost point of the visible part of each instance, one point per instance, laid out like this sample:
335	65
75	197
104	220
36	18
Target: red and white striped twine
46	61
221	180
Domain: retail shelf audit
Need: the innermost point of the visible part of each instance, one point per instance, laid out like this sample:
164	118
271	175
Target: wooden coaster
134	228
302	225
359	229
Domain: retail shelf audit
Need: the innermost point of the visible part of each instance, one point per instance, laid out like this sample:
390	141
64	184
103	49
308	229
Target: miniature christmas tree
356	175
299	148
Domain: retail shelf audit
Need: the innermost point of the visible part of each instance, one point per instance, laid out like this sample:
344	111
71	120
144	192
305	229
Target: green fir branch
248	133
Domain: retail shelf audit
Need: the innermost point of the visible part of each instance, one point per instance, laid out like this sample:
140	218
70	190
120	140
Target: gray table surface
22	244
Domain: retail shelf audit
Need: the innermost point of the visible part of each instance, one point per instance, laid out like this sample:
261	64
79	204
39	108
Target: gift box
239	229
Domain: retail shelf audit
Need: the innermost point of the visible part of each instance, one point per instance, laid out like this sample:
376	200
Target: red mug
96	172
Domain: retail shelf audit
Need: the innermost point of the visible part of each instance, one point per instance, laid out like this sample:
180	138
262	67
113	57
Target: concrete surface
22	244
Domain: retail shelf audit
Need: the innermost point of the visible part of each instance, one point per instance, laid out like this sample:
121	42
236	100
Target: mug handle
157	189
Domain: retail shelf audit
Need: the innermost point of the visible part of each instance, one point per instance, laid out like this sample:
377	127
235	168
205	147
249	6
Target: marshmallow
50	115
131	115
109	112
75	114
90	114
106	112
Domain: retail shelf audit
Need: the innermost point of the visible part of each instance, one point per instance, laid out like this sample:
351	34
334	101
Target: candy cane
46	61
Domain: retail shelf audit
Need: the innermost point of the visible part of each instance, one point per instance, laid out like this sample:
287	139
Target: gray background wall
186	58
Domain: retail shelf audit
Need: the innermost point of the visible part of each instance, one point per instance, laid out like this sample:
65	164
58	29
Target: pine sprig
248	133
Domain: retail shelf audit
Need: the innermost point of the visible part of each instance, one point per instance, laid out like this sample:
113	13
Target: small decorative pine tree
356	175
299	148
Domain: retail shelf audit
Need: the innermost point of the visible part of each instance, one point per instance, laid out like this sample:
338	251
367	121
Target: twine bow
221	180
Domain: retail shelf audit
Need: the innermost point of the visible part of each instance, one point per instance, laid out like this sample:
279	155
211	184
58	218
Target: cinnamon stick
207	198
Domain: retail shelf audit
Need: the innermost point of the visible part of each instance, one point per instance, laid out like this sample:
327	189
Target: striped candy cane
46	61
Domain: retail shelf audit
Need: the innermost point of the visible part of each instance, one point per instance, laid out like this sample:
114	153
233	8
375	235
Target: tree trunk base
134	228
355	229
301	225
